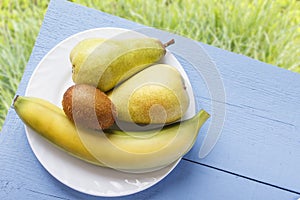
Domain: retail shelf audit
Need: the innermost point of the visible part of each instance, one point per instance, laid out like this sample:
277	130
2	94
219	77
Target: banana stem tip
15	99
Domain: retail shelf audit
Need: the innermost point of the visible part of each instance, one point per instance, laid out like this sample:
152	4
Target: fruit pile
118	84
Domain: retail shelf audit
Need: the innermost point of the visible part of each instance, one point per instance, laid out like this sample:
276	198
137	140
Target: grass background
266	30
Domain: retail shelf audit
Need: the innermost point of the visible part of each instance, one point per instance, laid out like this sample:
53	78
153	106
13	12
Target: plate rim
29	131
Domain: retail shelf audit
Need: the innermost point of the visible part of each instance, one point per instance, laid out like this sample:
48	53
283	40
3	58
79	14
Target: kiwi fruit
88	107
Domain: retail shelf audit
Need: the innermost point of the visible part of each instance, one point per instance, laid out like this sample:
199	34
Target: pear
105	63
156	95
85	47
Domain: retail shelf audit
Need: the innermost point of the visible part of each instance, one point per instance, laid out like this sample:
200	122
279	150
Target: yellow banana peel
127	151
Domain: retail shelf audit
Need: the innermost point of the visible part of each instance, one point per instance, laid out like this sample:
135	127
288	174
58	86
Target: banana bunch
127	151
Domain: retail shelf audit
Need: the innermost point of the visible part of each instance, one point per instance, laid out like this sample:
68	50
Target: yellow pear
156	94
105	63
85	47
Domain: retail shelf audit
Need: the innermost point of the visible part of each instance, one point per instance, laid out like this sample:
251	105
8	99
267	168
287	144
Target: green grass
19	25
267	30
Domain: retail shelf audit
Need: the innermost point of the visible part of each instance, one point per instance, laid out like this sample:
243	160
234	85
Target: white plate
49	81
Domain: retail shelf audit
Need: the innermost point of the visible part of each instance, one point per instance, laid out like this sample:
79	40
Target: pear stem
169	43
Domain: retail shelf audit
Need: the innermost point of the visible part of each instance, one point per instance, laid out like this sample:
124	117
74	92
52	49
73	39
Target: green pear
80	51
156	94
105	63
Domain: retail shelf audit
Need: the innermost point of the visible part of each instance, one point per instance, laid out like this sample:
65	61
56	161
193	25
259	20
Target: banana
49	121
105	63
47	104
125	151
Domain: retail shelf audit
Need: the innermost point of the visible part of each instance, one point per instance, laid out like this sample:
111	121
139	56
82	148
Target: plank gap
242	176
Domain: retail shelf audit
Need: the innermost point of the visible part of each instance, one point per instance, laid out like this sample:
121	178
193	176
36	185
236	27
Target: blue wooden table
256	157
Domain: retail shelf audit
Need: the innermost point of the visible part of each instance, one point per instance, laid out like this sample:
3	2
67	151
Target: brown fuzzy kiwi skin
89	107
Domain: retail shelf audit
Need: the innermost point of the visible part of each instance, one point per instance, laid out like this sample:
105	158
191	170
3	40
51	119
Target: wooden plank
22	177
259	137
